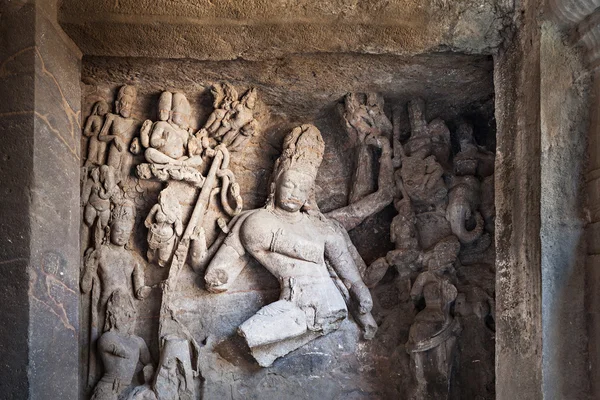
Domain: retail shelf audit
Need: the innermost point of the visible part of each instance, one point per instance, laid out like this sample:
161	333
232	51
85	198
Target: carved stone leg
432	370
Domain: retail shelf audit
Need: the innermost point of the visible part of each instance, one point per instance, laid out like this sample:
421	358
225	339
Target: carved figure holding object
93	126
164	224
432	336
120	349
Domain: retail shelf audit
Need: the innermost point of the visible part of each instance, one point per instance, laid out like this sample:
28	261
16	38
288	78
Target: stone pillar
580	22
518	247
564	121
39	204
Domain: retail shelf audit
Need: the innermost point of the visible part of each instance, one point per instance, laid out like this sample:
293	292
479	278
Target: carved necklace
287	216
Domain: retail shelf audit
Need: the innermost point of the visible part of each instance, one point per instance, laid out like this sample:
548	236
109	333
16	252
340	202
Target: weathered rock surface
260	29
294	90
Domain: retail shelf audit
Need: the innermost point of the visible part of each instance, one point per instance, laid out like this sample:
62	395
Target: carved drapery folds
196	218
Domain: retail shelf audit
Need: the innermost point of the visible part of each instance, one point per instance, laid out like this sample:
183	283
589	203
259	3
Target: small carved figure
374	105
119	130
293	240
96	196
432	336
224	96
164	226
114	265
365	121
434	135
169	141
93	126
238	121
472	159
175	376
406	257
120	350
422	179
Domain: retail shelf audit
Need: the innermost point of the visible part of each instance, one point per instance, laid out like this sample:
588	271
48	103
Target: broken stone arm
90	270
139	287
416	292
86	191
151	214
87	131
340	259
178	227
105	137
145	357
145	133
354	214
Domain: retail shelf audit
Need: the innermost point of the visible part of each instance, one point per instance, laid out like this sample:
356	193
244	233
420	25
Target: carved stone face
293	190
163	115
180	119
120	230
102	108
124	106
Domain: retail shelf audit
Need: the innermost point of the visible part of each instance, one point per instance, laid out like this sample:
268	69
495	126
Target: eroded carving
120	349
293	240
232	123
93	125
164	227
444	206
119	130
97	193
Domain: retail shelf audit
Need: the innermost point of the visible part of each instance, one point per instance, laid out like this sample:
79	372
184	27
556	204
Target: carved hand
117	351
119	143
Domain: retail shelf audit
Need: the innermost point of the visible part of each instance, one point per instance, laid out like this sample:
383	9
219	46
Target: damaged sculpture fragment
296	243
144	280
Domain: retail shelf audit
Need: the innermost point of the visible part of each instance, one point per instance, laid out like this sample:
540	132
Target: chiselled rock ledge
265	29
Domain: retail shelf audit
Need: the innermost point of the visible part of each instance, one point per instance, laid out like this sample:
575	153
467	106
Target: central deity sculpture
307	252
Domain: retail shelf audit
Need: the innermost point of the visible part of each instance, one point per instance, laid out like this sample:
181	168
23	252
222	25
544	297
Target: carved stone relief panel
243	239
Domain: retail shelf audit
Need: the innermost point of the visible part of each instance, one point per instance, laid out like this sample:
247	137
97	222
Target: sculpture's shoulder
107	339
256	229
331	229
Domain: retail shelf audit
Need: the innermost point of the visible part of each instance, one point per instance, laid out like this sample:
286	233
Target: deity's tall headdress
124	211
165	103
181	105
303	150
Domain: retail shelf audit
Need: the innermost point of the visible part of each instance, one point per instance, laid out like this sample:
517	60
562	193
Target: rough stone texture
593	259
293	90
15	173
39	71
518	247
564	122
258	29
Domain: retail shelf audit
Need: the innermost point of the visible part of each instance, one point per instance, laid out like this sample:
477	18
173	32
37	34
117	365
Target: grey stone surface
261	29
564	122
518	184
40	122
293	90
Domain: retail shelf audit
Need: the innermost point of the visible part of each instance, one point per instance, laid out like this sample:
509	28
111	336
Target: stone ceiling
260	29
